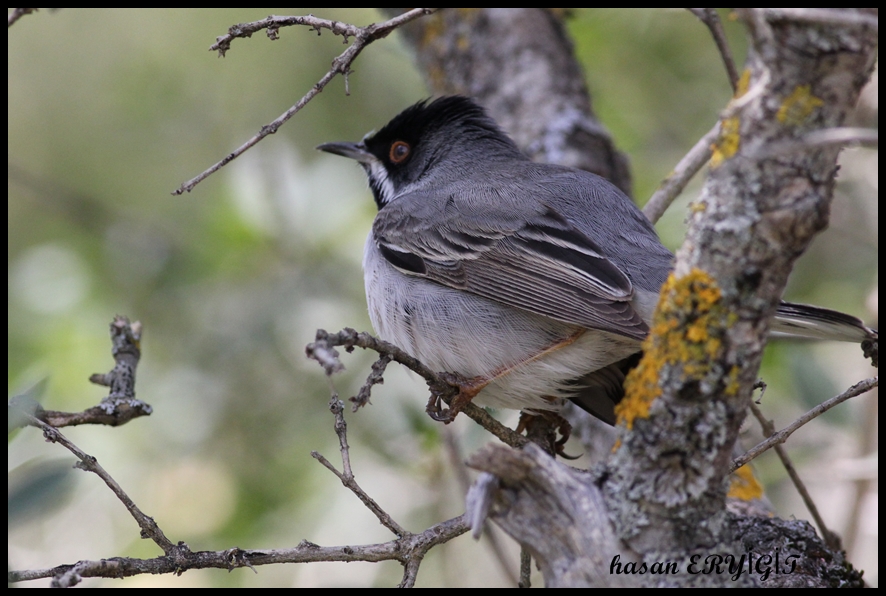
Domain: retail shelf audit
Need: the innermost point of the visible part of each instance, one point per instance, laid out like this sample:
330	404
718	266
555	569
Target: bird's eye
400	151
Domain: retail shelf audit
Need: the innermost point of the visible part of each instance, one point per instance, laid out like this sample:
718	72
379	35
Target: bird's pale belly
530	360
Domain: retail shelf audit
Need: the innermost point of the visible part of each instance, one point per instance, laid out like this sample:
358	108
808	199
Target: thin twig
819	139
149	527
108	413
411	546
782	435
369	502
376	377
847	136
830	538
347	477
868	439
525	568
16	14
711	19
341	430
501	432
683	172
273	24
363	36
322	350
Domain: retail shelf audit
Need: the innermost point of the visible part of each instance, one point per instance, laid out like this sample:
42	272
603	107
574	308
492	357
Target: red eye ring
400	152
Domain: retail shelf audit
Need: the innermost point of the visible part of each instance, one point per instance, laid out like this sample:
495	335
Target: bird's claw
467	390
542	426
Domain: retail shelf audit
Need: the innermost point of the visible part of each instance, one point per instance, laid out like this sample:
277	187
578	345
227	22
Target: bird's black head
444	137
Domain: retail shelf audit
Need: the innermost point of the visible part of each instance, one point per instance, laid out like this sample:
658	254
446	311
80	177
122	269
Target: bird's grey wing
538	262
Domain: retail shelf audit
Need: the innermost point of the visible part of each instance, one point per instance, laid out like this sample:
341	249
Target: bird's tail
599	391
813	322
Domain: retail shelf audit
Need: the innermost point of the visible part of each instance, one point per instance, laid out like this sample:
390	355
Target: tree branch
16	14
823	139
711	19
684	171
571	537
363	36
411	547
149	527
823	16
347	477
120	406
830	538
323	351
777	438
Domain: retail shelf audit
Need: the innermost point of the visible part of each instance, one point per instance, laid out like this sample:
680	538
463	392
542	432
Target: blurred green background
110	110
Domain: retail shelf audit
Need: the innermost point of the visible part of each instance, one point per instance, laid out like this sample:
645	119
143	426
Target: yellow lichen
732	384
743	84
685	334
744	485
728	142
798	106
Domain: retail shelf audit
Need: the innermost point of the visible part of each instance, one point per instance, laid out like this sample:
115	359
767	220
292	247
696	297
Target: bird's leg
467	390
542	427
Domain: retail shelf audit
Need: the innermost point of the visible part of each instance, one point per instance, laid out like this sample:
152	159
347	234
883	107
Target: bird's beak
355	151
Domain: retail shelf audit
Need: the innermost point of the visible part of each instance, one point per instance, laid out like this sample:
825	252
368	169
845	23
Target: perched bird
533	282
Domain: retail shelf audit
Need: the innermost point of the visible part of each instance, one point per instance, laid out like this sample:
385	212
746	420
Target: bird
532	283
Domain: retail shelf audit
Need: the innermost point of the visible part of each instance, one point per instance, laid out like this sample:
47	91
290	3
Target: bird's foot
467	390
869	346
543	427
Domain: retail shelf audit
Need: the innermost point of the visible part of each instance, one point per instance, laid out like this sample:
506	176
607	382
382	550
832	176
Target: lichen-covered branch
755	216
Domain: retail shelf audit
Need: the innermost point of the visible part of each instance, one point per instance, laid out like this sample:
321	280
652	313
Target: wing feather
540	263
